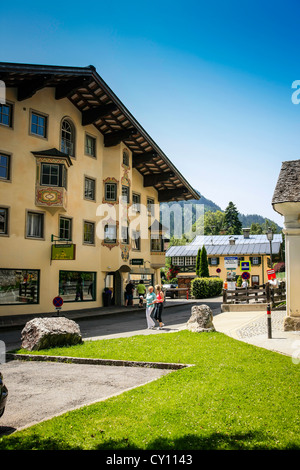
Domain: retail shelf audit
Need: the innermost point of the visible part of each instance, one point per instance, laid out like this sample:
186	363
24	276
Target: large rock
43	333
201	319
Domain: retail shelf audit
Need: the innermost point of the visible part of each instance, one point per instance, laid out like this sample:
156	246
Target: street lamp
270	235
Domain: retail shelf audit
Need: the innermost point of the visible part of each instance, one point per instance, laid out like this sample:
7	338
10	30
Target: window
110	191
178	261
125	194
124	234
77	286
68	138
89	188
89	233
110	234
38	125
65	228
90	145
3	221
157	244
213	261
255	280
136	202
53	175
255	260
136	240
19	286
6	114
190	260
35	225
4	167
150	206
125	158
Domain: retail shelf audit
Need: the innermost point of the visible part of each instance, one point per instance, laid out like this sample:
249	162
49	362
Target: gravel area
41	390
259	327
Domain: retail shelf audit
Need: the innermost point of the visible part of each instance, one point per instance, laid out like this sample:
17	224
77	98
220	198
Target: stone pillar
292	270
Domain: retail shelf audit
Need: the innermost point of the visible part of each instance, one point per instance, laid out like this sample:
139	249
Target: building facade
225	254
80	187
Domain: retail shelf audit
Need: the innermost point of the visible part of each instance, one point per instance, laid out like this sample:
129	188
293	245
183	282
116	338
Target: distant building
225	253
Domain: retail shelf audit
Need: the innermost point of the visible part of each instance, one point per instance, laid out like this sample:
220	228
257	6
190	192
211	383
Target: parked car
3	395
169	290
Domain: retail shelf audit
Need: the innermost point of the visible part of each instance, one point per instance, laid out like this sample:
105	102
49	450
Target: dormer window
68	137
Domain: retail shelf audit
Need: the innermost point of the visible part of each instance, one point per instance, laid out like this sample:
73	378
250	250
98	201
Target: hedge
203	287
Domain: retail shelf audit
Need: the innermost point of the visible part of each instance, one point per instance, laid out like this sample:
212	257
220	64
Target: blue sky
209	81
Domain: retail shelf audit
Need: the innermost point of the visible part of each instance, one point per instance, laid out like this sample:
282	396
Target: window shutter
259	259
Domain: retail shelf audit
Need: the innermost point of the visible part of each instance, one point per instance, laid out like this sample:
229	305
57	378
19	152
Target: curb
93	361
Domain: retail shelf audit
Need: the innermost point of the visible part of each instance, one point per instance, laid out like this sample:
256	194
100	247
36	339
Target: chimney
246	232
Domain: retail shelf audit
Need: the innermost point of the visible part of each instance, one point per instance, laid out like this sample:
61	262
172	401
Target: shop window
77	286
19	286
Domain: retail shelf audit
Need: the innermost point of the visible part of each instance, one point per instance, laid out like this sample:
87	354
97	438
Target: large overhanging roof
102	108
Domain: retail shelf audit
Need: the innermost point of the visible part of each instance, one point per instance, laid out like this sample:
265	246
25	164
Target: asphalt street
124	323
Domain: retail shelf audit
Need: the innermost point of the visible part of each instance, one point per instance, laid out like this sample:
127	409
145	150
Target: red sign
271	274
57	302
245	276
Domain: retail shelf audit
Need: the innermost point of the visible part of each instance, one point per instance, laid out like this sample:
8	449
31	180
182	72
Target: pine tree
198	262
232	221
203	270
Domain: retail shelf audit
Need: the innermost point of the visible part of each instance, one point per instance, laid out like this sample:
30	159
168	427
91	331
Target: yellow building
80	187
225	254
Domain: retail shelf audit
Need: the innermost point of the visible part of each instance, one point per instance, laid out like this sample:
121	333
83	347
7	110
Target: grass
237	396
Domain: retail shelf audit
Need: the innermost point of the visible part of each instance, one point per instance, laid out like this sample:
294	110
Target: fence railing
256	294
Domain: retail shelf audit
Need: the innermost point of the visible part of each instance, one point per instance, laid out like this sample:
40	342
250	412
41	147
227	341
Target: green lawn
237	396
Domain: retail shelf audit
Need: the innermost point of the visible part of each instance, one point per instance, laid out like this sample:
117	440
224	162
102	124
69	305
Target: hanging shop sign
63	251
271	274
137	261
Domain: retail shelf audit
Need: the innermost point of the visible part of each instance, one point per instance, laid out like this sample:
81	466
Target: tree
256	229
202	263
232	221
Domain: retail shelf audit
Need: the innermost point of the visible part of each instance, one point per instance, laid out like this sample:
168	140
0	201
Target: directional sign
246	276
57	302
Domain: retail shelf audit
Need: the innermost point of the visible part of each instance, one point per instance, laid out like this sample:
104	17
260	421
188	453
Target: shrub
203	287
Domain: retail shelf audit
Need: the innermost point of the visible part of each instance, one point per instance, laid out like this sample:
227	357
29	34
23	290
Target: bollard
187	294
269	321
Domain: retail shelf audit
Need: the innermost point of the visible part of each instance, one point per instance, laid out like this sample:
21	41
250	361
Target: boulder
201	319
43	333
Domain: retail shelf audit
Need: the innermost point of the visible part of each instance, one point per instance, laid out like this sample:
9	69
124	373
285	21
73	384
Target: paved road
123	324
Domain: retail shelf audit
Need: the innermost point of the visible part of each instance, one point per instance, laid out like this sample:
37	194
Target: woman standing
159	306
150	301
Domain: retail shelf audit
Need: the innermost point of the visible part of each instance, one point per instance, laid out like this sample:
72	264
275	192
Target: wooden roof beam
65	89
151	180
141	158
28	88
169	194
92	115
115	138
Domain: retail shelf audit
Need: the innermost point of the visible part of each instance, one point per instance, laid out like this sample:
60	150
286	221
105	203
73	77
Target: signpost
58	303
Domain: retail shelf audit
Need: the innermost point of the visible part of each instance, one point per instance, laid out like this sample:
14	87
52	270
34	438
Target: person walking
141	291
150	303
159	306
129	289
